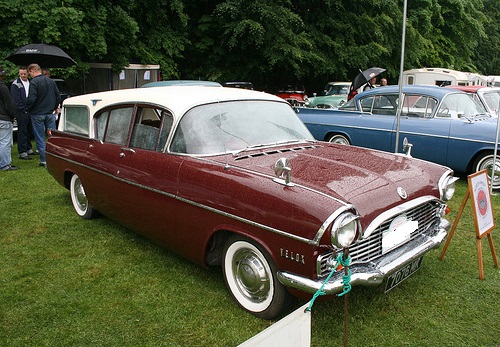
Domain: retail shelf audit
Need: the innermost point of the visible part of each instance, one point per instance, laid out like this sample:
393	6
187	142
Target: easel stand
483	217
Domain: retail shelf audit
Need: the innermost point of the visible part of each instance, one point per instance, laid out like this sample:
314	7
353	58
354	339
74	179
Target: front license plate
402	274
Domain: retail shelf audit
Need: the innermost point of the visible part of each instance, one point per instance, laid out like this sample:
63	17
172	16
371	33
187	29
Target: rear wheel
340	139
485	162
79	199
251	278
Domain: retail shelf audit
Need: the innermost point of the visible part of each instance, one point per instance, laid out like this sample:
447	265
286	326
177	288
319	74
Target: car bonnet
368	179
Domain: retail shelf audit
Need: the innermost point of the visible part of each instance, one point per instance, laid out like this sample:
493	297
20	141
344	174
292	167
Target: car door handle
126	149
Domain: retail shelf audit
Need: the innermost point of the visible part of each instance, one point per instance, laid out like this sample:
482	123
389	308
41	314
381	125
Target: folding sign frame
483	216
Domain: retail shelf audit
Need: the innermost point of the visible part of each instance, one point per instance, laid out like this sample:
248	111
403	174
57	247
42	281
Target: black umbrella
365	76
41	54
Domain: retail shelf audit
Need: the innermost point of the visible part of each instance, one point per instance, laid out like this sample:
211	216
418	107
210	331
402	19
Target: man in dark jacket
43	99
19	91
7	115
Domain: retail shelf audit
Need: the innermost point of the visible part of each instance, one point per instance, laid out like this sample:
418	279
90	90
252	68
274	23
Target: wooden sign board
483	216
481	203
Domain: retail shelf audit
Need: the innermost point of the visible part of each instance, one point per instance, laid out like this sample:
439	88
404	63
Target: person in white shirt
19	91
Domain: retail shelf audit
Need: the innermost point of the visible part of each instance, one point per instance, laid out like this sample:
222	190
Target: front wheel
485	162
340	139
251	278
79	199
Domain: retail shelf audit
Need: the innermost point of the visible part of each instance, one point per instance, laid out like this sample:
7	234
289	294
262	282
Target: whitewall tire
250	276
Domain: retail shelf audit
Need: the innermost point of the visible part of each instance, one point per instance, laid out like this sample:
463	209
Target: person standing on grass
19	91
7	115
43	99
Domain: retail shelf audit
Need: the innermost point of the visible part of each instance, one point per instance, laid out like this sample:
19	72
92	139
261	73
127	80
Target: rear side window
76	120
151	128
113	125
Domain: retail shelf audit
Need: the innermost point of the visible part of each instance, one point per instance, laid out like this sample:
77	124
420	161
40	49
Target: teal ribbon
346	279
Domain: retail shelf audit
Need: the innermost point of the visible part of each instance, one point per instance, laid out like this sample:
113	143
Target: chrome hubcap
80	196
251	276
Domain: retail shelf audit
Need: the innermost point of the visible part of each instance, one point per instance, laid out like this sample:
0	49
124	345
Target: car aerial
444	125
232	178
335	94
488	96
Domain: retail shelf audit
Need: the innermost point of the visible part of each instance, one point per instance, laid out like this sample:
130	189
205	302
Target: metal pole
345	255
495	151
401	69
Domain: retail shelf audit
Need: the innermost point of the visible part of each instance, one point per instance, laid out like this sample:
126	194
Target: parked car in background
335	94
231	177
444	125
489	97
295	95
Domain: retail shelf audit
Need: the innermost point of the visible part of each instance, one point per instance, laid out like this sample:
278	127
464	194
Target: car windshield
460	105
337	89
493	100
235	126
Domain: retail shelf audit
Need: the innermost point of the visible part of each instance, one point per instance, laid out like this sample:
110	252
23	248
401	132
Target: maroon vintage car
231	177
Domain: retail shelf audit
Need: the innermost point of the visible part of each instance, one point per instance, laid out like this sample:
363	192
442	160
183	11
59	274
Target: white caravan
436	76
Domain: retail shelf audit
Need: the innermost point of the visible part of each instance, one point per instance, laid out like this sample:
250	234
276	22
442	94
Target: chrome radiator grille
370	249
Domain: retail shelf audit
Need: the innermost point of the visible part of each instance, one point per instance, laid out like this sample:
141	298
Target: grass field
65	281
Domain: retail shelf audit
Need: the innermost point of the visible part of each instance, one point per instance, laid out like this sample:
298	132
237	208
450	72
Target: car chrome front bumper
373	273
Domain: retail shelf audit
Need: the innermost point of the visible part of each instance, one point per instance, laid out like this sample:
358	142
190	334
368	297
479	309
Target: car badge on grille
402	193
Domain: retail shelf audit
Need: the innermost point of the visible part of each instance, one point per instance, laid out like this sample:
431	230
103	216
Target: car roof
181	83
412	89
474	89
178	99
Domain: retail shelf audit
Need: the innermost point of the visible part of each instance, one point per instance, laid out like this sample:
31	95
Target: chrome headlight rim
447	186
345	230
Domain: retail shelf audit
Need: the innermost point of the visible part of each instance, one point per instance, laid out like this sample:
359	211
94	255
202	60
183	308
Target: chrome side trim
314	241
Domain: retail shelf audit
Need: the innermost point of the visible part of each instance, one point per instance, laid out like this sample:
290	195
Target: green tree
487	54
269	42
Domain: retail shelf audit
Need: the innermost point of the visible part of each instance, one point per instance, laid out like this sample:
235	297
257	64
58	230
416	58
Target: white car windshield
237	125
493	100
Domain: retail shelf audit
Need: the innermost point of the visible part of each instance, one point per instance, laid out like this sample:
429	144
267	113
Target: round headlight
447	187
345	230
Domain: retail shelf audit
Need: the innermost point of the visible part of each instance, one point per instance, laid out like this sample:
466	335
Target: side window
118	125
76	119
367	104
151	128
100	125
385	104
166	126
418	106
379	104
349	106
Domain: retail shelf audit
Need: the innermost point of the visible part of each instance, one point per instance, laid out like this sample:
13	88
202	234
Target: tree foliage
269	42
